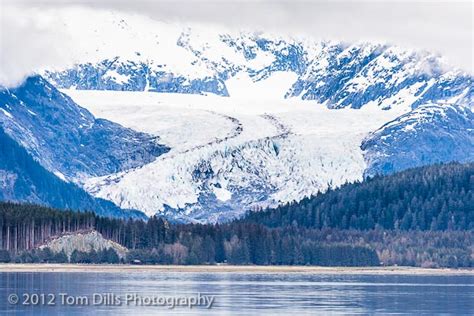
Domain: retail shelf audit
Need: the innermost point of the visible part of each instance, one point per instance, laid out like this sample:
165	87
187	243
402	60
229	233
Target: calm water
242	293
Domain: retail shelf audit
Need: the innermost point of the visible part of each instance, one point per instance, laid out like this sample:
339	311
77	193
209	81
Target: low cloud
28	44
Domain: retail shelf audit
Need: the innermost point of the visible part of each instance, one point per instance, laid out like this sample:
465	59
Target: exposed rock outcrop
84	241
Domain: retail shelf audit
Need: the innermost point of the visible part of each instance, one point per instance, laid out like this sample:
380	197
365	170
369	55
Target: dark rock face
66	138
427	135
22	179
140	77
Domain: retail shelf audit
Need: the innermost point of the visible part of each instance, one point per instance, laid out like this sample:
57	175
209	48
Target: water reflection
249	293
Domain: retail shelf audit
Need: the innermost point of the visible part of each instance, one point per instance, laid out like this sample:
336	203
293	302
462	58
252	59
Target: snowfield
229	155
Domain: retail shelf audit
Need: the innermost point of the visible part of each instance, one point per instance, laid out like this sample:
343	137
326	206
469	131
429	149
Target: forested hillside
438	197
24	227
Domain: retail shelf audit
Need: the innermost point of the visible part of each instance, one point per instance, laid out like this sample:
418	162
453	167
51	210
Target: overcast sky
444	27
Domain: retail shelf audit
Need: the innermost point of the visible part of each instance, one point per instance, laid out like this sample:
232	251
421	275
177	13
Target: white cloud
28	43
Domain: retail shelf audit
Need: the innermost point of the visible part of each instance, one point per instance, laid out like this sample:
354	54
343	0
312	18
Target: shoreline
123	268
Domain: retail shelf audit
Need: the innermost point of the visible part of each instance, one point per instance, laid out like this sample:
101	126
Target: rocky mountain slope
431	133
67	139
137	54
23	179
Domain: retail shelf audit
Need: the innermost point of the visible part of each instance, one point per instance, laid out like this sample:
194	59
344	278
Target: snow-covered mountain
251	120
136	54
23	179
50	145
431	133
67	139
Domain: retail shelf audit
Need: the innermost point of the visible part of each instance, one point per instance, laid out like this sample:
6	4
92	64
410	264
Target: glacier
229	155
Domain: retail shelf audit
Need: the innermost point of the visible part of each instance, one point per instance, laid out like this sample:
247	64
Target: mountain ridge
67	139
337	74
22	179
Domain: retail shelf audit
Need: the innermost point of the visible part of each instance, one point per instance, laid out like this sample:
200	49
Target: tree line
156	241
46	255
